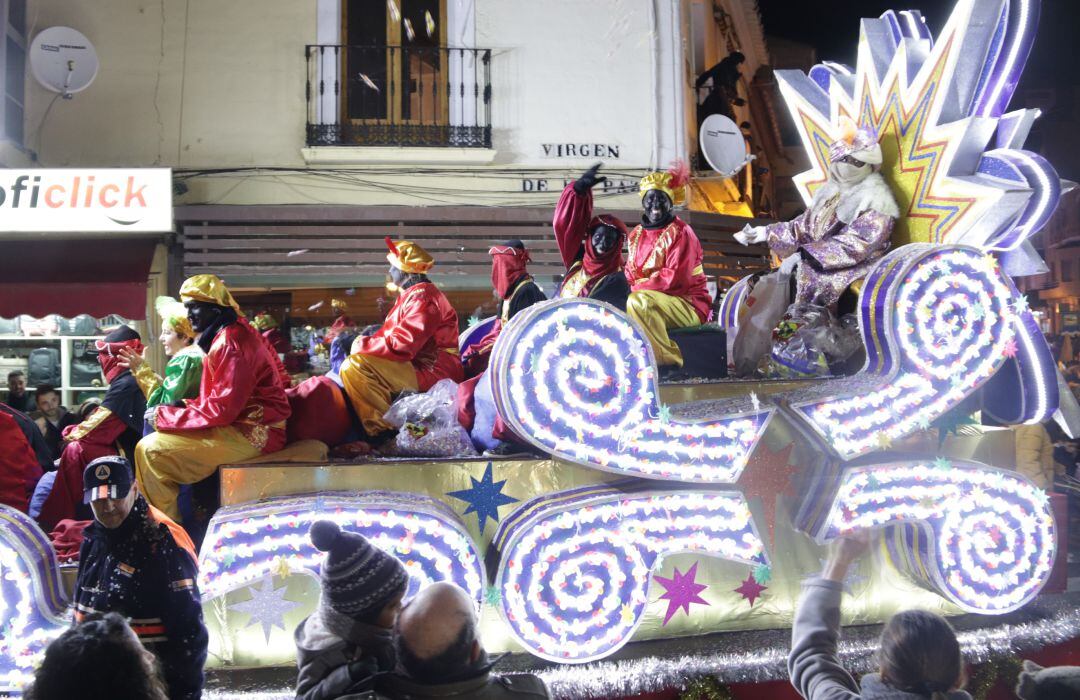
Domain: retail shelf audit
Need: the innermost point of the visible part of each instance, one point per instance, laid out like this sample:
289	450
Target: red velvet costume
19	470
668	260
241	387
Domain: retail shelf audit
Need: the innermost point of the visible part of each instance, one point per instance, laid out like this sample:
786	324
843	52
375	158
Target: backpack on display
83	324
85	368
43	367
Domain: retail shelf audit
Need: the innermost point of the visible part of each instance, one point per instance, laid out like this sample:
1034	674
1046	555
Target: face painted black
604	238
202	314
657	206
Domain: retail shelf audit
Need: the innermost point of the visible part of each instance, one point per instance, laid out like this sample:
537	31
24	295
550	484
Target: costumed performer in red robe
415	347
19	469
271	332
342	322
516	291
664	267
591	246
114	428
239	414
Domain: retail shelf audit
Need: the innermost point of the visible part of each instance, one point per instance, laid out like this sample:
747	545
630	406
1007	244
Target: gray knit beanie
358	579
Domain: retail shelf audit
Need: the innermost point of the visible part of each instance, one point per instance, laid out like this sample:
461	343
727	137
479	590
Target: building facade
302	133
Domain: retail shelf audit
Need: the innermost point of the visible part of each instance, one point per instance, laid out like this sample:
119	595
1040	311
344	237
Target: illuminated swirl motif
577	378
575	567
937	322
246	543
981	537
33	607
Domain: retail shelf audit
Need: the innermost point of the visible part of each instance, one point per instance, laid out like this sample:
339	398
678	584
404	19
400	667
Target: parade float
665	538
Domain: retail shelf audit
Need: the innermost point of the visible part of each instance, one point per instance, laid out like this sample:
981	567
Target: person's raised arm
814	667
573	214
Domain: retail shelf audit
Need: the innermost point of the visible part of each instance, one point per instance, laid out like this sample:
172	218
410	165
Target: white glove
751	234
788	264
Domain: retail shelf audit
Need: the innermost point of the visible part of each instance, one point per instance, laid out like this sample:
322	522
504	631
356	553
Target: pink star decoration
681	590
1010	348
750	589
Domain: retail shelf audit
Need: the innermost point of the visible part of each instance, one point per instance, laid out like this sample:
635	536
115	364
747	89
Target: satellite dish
63	60
723	145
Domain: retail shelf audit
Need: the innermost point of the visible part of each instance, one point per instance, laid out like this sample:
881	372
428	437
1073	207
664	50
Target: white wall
212	84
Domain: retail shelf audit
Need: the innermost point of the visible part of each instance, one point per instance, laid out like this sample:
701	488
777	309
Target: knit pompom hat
358	579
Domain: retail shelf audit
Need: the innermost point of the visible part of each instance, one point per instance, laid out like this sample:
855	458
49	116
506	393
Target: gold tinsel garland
707	688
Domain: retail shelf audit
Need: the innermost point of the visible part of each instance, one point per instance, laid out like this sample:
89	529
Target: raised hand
589	178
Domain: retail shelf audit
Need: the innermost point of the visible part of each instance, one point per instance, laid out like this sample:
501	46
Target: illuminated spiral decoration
246	543
575	567
981	537
938	322
576	378
33	607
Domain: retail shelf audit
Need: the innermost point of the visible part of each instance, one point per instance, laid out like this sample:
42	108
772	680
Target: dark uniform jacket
146	571
523	294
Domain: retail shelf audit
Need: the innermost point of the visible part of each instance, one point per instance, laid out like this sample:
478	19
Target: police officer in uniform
137	562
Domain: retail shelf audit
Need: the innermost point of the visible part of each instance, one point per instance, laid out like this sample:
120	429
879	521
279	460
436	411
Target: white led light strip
574	575
248	542
33	609
944	325
576	378
989	533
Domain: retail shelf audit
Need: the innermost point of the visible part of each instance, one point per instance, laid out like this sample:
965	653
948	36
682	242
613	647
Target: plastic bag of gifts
759	314
810	342
428	425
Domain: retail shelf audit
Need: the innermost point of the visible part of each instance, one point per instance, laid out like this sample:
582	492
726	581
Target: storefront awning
71	277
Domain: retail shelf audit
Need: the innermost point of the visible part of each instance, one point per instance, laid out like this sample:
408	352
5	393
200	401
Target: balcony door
394	76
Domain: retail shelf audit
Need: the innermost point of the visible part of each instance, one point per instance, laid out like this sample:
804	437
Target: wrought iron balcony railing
398	96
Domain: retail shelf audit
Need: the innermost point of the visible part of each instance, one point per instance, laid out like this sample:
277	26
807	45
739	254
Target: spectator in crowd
239	412
137	562
919	655
98	659
348	640
19	468
439	655
54	418
17	396
33	436
114	428
1053	683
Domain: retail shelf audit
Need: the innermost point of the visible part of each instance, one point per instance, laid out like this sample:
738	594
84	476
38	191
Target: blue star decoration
484	498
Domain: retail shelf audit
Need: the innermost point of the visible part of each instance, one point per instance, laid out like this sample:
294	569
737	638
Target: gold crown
661	180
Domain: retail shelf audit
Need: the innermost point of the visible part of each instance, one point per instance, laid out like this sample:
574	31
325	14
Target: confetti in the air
430	22
409	30
294	253
392	7
368	82
316	306
350	291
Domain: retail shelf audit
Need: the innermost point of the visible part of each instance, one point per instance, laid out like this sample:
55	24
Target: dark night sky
832	26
